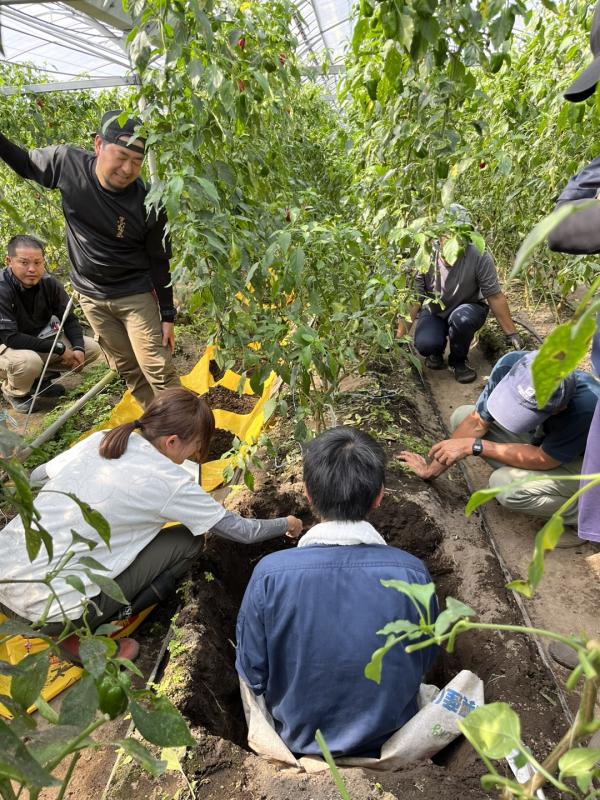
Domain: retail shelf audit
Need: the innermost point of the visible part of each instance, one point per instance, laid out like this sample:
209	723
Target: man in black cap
117	248
521	441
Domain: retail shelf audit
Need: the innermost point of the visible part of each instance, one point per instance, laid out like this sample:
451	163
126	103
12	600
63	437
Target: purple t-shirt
588	526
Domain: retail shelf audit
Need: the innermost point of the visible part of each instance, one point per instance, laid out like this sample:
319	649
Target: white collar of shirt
341	533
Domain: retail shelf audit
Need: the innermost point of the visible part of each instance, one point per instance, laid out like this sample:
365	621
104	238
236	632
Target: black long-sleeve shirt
116	246
579	233
25	312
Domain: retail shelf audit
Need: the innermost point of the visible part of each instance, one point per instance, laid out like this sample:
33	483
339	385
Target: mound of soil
221	443
220	397
494	345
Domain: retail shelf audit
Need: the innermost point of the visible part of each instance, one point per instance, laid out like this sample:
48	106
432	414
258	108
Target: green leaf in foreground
28	683
17	763
94	653
454	611
80	703
541	231
579	762
93	518
108	586
494	730
332	766
546	539
560	354
373	669
160	723
420	593
480	498
143	757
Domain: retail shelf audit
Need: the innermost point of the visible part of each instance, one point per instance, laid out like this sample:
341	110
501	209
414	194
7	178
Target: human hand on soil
294	527
72	359
515	341
450	451
417	463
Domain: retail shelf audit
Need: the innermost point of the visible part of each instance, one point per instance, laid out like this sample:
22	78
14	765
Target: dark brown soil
220	397
215	370
221	442
493	342
425	520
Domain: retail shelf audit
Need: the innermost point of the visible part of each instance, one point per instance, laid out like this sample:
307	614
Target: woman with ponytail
132	476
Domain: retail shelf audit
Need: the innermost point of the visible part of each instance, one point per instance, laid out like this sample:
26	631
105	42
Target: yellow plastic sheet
61	674
247	427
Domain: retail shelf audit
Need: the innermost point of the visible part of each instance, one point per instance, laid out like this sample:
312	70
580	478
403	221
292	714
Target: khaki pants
129	331
22	368
540	498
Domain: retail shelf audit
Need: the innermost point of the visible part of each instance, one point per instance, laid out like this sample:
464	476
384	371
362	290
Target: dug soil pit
203	682
425	519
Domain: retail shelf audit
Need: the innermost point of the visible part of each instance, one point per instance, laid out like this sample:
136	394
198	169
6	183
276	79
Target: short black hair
23	240
344	470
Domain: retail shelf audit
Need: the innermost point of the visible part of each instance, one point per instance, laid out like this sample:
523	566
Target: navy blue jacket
306	629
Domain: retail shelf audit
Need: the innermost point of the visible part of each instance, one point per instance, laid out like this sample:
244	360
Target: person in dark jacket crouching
309	618
32	304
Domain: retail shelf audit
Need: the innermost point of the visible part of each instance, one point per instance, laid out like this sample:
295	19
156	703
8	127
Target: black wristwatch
59	348
477	448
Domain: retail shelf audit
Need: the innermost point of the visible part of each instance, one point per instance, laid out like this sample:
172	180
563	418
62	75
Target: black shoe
20	404
463	373
49	389
435	362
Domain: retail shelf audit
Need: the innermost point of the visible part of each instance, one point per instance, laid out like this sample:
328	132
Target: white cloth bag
432	728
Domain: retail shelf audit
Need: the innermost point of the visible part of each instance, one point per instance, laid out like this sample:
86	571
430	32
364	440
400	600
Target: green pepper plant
494	730
38	753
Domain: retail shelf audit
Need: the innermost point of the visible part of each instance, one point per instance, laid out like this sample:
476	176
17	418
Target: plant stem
576	732
6	790
75	743
69	775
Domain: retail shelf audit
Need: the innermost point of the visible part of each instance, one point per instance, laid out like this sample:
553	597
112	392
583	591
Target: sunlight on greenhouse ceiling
86	38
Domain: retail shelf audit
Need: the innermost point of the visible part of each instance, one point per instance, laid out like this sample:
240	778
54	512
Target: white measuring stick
41	378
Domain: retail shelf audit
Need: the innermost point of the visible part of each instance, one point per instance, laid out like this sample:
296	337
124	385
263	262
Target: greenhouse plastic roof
86	37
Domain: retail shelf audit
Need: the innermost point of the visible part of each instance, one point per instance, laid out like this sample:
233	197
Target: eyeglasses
23	262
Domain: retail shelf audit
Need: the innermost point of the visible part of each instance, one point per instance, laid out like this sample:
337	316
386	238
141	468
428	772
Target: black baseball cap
110	131
585	85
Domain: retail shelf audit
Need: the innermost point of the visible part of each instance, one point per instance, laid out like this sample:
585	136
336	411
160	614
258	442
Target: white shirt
137	494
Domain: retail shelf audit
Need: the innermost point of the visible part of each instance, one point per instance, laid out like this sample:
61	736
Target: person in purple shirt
580	234
308	622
